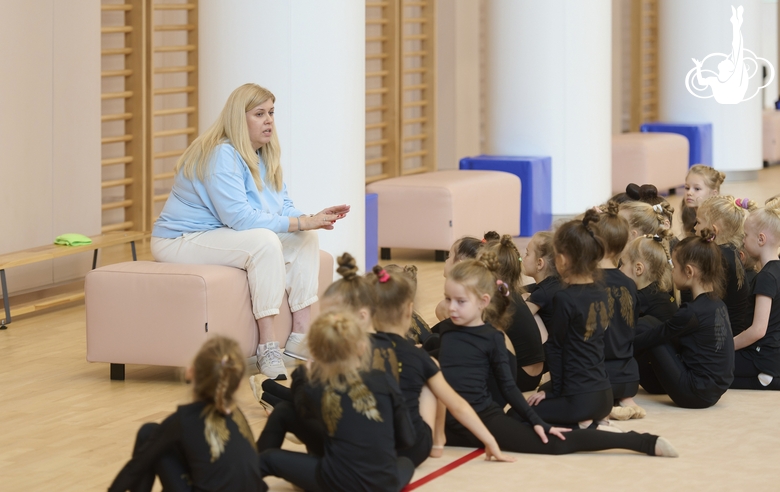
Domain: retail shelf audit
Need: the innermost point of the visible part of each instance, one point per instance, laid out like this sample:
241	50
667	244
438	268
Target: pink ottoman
771	136
432	210
660	159
145	312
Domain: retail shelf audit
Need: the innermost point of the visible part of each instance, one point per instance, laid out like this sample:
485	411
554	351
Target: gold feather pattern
598	316
215	432
604	315
590	324
243	427
331	409
610	302
364	401
626	306
721	328
395	366
378	360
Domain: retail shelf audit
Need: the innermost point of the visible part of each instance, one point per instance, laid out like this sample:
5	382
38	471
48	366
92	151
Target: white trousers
274	263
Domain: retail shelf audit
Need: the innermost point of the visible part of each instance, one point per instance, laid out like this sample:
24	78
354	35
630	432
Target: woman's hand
325	219
494	452
534	399
340	211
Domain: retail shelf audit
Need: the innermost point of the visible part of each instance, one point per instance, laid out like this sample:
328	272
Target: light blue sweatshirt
227	197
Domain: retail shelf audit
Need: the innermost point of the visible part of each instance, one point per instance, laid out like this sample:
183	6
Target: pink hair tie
499	283
383	276
483	240
742	202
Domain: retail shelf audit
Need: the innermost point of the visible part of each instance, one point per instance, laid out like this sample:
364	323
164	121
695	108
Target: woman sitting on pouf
229	206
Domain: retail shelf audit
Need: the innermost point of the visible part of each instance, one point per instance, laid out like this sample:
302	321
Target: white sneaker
269	361
296	347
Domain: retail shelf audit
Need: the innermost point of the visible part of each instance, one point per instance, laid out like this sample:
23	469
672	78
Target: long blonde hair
729	213
339	349
231	127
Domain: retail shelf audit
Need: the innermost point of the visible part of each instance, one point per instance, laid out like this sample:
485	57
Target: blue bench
535	175
699	137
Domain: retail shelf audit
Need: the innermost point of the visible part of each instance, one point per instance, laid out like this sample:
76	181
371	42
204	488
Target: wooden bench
49	252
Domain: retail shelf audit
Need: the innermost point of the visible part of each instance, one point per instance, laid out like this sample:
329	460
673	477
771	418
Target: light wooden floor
66	426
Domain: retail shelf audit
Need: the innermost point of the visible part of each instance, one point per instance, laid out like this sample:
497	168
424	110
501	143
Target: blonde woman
229	206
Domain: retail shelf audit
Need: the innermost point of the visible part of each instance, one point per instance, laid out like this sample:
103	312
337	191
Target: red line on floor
441	471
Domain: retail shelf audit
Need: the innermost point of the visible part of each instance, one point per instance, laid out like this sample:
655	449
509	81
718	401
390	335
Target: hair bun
612	208
491	236
347	266
707	235
507	241
632	190
648	192
590	217
411	270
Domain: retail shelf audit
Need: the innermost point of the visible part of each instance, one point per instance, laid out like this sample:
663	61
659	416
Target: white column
694	29
311	55
549	92
769	46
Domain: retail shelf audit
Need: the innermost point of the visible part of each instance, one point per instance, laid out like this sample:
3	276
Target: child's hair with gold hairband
701	252
726	215
480	277
653	251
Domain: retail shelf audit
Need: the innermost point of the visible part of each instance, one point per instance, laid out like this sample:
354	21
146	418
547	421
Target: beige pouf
432	210
145	312
660	159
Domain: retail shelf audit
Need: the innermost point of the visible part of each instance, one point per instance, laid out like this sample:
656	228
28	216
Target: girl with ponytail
619	361
580	391
360	412
205	445
725	216
524	336
472	347
692	354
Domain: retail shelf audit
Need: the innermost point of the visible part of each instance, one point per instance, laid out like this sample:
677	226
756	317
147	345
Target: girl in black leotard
360	412
622	368
580	391
539	264
647	261
699	367
522	331
725	216
471	347
205	445
757	356
418	373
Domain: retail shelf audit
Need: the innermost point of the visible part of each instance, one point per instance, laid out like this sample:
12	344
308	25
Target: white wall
694	29
549	92
458	124
769	47
50	123
311	55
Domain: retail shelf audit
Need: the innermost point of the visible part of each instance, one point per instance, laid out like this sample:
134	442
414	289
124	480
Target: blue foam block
699	137
372	230
535	175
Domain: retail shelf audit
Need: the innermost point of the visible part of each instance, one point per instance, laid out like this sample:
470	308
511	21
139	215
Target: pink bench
145	312
660	159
